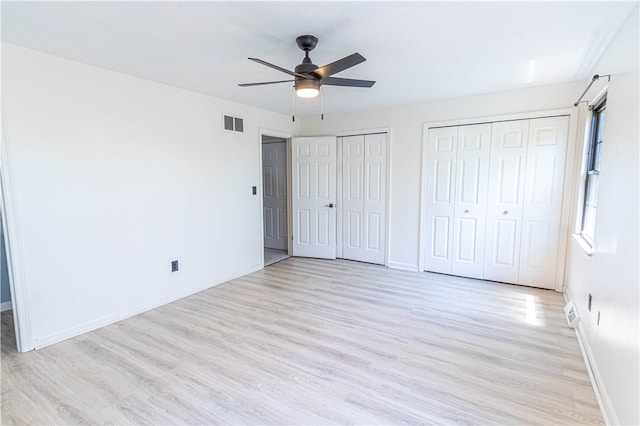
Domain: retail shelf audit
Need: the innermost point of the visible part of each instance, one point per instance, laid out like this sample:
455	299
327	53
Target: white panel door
274	194
364	197
375	196
441	174
352	196
543	201
505	200
314	196
472	174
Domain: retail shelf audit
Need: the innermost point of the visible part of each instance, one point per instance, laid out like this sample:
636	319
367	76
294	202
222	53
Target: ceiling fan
309	77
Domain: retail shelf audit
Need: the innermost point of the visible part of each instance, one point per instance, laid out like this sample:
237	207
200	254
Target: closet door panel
364	160
471	199
543	200
508	158
466	232
353	197
375	195
505	249
440	203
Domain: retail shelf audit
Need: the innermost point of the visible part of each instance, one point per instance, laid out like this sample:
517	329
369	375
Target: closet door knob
466	211
505	212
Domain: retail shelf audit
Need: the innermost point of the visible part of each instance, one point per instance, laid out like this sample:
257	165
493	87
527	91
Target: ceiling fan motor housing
307	83
307	43
307	67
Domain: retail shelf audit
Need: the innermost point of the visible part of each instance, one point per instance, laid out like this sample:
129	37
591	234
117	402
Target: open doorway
7	330
274	199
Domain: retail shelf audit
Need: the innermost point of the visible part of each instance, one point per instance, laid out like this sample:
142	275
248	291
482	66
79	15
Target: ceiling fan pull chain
293	104
321	103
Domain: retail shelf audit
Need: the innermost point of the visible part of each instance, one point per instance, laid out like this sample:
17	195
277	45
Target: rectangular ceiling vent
232	124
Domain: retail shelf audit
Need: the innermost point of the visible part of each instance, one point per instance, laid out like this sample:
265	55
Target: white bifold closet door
525	199
542	210
458	160
506	199
364	197
494	200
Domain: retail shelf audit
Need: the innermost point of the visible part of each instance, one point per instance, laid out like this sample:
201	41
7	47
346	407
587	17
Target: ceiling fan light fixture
308	77
307	93
307	88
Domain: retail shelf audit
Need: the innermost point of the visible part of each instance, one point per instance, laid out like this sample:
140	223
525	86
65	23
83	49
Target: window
593	171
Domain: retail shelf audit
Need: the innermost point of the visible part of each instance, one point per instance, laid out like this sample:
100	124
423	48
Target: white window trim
584	244
584	241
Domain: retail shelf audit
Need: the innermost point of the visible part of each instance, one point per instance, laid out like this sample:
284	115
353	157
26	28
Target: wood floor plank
309	341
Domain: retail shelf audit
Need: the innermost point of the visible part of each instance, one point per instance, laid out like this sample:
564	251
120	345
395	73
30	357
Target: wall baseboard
5	306
40	342
609	414
404	266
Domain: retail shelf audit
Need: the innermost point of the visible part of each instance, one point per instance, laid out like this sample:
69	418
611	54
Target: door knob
466	211
505	212
330	205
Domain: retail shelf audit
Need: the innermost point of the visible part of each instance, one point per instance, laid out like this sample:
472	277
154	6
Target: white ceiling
417	51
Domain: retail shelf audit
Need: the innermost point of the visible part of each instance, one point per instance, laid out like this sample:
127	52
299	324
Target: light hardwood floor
316	342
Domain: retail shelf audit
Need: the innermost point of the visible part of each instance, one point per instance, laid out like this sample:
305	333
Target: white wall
406	152
611	273
108	178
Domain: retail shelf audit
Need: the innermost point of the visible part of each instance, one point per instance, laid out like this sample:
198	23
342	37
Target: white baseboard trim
608	413
404	266
5	306
68	333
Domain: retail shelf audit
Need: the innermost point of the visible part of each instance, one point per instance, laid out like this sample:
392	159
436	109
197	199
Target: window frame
593	154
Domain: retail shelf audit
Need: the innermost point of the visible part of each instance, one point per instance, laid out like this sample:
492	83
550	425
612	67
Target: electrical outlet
598	320
174	265
589	303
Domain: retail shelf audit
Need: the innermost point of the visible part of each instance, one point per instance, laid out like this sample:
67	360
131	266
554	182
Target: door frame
569	177
287	137
15	264
387	206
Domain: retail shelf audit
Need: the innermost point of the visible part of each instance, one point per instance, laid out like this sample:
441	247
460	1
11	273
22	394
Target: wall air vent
232	124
